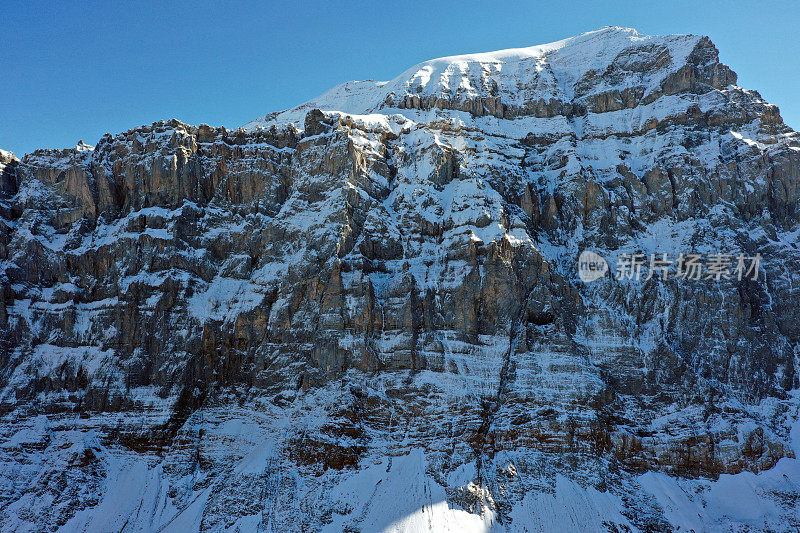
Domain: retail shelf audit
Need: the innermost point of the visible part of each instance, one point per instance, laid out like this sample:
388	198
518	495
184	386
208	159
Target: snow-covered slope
519	76
364	313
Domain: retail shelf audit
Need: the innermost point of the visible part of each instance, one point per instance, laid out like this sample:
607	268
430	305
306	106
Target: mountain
605	70
366	313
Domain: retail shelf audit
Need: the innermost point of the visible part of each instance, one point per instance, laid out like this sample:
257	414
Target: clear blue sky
74	71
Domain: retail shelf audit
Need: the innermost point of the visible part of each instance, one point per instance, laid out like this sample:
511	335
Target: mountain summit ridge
523	77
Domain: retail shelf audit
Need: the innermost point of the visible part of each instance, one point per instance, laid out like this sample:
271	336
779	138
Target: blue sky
74	71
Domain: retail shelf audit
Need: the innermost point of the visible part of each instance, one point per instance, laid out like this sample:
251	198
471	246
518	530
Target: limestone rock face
365	312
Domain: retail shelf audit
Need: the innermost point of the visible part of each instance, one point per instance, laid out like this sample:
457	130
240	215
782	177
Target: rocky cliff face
364	313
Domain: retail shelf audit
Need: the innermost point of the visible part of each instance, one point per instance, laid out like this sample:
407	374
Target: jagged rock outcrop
365	311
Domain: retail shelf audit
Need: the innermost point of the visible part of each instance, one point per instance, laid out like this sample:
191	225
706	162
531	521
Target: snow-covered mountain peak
6	156
512	82
83	147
